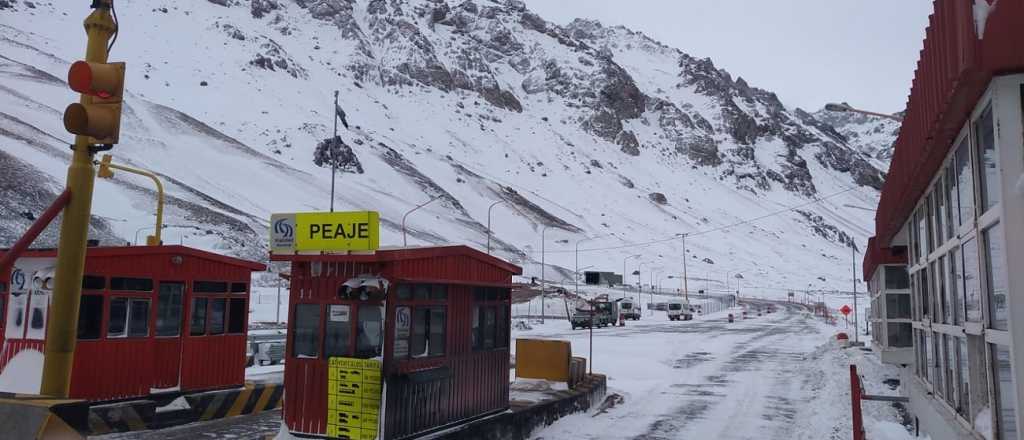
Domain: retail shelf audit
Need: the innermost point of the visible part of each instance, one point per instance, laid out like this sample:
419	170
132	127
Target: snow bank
24	373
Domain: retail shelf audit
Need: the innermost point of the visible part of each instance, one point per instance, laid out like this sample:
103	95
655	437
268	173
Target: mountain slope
587	129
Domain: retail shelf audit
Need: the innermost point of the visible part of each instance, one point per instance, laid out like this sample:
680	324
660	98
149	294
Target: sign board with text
324	231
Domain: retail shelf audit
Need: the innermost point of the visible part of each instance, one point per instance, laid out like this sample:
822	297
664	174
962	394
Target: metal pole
686	289
542	240
853	261
277	319
332	144
489	208
591	355
404	242
61	331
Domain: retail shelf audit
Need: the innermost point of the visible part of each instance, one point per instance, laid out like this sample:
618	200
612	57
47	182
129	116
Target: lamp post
639	285
846	108
543	230
404	242
582	240
489	208
686	291
624	274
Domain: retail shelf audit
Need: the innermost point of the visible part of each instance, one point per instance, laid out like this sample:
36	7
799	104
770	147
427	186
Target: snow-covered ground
779	376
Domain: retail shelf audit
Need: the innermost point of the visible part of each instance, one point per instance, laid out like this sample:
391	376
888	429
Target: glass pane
92	282
938	360
995	263
437	331
926	298
922	231
504	326
209	287
370	331
964	184
418	344
963	373
90	317
138	318
476	334
169	309
118	317
896	277
421	291
972	282
306	339
929	215
940	279
238	288
950	366
439	292
939	214
929	356
131	284
489	327
404	291
900	334
984	133
236	315
337	331
218	306
897	306
955	287
951	201
1006	399
198	325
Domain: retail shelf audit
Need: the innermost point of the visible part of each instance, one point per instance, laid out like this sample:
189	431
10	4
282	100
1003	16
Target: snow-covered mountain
587	129
872	136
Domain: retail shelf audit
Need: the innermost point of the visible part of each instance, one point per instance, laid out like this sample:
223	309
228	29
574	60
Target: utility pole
853	266
542	241
95	121
686	290
334	143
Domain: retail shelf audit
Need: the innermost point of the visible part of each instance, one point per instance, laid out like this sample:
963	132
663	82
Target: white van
678	309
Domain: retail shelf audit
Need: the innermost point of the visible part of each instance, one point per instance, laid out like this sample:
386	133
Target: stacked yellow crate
353	398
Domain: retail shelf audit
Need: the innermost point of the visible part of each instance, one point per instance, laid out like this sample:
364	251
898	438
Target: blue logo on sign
283	228
18	279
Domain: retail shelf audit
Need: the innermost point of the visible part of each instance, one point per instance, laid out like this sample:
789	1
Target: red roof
406	253
953	72
127	251
876	255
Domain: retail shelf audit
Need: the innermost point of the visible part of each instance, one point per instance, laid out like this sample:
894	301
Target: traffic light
99	115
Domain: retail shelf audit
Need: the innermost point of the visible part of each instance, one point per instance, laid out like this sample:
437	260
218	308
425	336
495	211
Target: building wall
890	314
963	233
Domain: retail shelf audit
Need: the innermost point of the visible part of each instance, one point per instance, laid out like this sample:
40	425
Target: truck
629	309
600	313
679	310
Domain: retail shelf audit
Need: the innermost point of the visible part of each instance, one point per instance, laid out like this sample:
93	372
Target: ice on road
777	376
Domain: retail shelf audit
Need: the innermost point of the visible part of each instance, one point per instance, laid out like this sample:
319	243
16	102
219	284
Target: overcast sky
808	51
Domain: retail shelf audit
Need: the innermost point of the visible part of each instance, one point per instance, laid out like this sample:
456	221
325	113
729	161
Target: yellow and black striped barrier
250	399
121	417
29	416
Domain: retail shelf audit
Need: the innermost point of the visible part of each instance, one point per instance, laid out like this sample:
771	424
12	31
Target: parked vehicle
603	314
629	309
678	309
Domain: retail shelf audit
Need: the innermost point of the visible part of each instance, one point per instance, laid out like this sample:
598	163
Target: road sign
845	310
325	231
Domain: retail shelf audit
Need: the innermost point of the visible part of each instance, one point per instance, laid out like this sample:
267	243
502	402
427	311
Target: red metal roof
954	69
128	251
406	253
876	255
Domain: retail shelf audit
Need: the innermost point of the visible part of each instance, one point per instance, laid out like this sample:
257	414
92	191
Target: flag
340	114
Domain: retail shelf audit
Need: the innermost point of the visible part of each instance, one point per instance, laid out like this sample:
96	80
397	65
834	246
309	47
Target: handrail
33	231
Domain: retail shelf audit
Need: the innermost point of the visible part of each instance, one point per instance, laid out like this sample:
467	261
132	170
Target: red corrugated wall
954	68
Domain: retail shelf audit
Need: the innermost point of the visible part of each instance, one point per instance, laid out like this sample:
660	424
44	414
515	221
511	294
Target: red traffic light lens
80	77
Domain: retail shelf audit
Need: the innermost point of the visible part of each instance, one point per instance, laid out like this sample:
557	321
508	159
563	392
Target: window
940	281
964	184
929	218
926	353
237	312
421	292
404	292
900	334
1006	400
896	277
940	211
209	287
131	284
995	274
428	332
306	325
897	306
925	296
439	292
984	133
963	371
138	318
169	309
218	307
90	317
950	366
370	331
92	282
950	203
197	327
935	355
955	287
239	287
478	341
118	317
972	282
485	327
503	328
923	231
337	331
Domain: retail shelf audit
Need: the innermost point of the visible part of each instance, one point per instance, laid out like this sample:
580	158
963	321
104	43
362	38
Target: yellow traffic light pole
63	323
105	173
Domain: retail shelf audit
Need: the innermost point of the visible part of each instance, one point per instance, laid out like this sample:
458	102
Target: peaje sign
324	231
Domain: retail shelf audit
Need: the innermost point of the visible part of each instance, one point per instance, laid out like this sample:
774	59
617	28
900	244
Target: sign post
845	310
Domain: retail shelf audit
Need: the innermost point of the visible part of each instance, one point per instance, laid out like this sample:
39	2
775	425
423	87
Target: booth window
90	317
306	327
336	335
131	284
209	287
118	317
218	309
404	292
428	332
198	325
238	287
236	315
128	317
370	331
93	282
169	308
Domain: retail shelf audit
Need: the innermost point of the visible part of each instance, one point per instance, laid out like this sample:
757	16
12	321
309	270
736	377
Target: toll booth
152	319
396	343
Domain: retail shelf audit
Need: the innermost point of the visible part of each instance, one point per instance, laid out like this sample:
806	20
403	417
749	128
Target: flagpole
332	145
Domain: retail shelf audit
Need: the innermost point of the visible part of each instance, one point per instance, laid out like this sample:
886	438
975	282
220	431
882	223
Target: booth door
167	342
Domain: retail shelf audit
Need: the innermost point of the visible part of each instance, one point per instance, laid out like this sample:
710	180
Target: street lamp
404	242
542	265
624	273
846	108
489	208
584	239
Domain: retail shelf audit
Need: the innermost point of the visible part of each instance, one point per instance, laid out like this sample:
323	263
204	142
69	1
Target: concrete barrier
27	416
543	359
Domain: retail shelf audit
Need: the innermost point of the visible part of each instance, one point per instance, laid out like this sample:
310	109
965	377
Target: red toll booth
152	319
396	343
